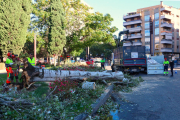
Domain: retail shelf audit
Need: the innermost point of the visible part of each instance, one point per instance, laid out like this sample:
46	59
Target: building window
132	26
157	31
177	30
147	32
156	23
138	40
156	46
147	18
156	16
177	38
173	38
147	39
147	25
147	47
156	39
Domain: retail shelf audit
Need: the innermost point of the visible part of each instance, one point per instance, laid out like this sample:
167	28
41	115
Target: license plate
142	69
134	70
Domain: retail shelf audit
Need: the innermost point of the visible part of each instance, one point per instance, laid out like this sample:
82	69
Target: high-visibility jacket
15	65
102	61
166	63
8	61
32	62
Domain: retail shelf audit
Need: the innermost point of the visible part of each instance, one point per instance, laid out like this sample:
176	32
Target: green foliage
96	30
82	27
57	37
14	21
29	45
106	49
128	88
54	108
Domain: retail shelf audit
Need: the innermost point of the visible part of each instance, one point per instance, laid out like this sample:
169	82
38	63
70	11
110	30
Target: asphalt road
157	98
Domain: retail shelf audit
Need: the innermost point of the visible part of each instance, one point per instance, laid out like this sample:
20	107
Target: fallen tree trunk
52	75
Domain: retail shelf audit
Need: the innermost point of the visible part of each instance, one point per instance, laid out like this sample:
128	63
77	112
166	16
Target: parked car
97	63
90	62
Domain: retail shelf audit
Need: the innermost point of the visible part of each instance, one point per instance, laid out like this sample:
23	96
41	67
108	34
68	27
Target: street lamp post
35	47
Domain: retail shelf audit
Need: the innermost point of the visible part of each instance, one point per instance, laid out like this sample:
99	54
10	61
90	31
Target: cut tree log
52	75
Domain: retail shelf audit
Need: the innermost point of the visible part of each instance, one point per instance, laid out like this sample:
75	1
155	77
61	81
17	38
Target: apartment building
156	28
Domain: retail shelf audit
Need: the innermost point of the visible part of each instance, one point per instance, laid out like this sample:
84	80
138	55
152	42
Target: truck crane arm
121	33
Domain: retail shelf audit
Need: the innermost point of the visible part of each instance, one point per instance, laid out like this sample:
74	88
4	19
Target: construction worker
31	59
102	63
8	64
171	66
15	69
166	64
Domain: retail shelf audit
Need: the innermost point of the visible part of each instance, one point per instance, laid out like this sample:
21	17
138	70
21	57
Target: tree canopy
82	27
14	21
57	37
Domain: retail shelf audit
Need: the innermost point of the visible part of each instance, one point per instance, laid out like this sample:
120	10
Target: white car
97	63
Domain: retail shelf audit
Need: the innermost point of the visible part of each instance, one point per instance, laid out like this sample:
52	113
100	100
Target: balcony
165	24
166	9
166	41
166	49
132	22
135	29
134	36
127	44
166	16
137	43
167	34
131	16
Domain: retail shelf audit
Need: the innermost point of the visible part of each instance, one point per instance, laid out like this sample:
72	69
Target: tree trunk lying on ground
52	75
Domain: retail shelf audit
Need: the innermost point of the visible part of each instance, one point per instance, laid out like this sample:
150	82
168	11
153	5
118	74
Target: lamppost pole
35	47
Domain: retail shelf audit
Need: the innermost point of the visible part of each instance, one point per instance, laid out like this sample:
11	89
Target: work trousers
102	65
14	74
172	71
165	69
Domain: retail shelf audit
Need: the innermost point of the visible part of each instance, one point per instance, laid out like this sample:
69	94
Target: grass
3	78
41	90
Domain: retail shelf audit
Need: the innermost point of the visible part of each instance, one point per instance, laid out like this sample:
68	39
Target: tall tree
82	28
14	21
57	37
96	30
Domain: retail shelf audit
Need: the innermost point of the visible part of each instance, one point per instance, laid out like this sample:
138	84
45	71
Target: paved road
157	98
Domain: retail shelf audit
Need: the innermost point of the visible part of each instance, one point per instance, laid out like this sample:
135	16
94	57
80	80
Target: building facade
156	28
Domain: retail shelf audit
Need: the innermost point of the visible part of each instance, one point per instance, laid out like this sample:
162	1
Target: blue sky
117	8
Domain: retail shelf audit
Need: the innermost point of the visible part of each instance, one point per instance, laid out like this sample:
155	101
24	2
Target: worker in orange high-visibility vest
14	69
8	64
